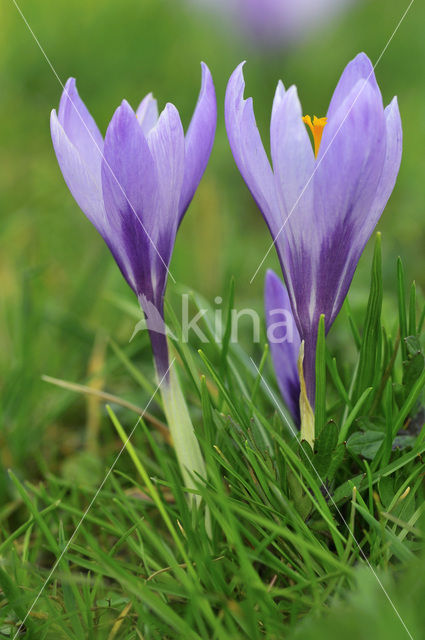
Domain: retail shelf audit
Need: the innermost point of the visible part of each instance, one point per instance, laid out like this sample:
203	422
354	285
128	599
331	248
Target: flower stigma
316	127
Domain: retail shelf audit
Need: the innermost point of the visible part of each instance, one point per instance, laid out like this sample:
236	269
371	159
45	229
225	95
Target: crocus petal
80	127
166	144
291	150
292	154
294	165
350	165
147	113
199	139
394	143
248	150
284	342
360	68
351	154
82	179
129	191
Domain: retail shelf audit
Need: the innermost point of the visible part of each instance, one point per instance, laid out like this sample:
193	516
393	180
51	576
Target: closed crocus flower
284	341
135	187
321	205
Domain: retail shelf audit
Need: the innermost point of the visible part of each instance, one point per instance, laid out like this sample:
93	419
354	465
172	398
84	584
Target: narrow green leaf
16	600
220	384
32	508
228	330
369	358
344	491
398	549
259	377
353	415
409	404
353	325
412	310
388	410
336	378
401	292
421	321
207	412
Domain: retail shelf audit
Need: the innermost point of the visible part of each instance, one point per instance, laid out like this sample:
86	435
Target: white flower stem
183	436
307	413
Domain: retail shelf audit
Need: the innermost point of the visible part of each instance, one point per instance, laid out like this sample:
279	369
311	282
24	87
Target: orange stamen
316	127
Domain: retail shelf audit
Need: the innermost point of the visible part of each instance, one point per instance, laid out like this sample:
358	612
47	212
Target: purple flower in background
320	210
284	341
273	23
136	185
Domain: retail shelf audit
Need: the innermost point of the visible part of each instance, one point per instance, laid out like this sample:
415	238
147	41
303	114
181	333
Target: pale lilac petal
360	68
294	166
80	127
83	180
147	113
199	139
248	150
279	95
166	144
394	144
284	341
292	153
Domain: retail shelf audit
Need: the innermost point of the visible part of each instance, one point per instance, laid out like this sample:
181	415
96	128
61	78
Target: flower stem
183	436
306	412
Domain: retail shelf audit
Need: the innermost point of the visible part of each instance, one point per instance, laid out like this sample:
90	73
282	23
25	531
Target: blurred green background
57	277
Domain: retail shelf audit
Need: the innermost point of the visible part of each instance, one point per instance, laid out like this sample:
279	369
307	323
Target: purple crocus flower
271	24
321	208
284	341
136	185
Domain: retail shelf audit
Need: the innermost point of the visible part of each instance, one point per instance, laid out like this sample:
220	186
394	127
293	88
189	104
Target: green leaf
228	329
344	491
301	501
325	445
413	368
370	350
15	598
353	325
409	403
336	461
353	415
412	310
386	490
365	443
401	292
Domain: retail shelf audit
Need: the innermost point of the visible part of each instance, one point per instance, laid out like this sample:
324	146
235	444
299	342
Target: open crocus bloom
320	210
136	185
